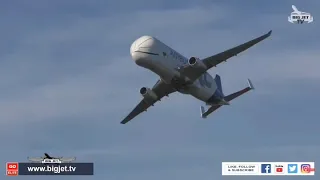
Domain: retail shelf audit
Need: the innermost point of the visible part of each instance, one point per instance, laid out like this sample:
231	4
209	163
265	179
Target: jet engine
196	62
148	93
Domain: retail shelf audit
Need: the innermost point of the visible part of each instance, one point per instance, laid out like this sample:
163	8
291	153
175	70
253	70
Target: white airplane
187	76
46	156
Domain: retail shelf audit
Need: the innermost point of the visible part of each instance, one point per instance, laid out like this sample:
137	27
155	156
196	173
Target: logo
298	17
12	168
278	168
265	168
49	159
292	168
306	168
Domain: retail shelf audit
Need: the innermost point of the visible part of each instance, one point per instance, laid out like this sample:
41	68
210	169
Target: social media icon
306	168
292	168
278	168
265	168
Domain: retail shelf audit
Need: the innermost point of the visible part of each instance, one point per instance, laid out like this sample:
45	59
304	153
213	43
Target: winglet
250	84
202	111
269	33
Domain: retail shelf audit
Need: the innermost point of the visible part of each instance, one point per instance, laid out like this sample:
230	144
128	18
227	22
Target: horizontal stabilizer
228	98
204	114
241	92
224	102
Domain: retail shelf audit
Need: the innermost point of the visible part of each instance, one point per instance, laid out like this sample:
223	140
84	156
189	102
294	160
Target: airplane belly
164	71
200	93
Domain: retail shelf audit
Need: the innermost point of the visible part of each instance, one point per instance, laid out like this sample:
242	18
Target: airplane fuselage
150	53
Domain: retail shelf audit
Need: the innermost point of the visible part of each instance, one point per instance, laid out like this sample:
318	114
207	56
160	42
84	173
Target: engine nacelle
148	93
196	62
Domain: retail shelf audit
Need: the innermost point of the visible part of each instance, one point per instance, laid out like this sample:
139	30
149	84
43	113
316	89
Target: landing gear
175	82
179	85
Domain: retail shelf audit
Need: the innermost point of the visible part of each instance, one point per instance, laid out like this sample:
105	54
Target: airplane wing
36	159
67	160
161	89
194	73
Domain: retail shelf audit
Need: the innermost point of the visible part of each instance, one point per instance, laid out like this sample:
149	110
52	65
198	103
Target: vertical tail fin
202	111
295	8
217	79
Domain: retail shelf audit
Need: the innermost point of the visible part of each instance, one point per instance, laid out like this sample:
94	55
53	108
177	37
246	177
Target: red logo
279	168
12	168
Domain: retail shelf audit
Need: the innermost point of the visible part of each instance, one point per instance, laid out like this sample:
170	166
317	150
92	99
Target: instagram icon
306	168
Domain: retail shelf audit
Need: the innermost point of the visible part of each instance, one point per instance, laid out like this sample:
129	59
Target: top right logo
299	17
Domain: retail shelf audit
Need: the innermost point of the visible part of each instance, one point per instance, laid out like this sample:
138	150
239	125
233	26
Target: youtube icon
278	168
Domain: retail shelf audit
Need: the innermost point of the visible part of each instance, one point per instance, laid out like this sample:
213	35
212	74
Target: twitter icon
292	168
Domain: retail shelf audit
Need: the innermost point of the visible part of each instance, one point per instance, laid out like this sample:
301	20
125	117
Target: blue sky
67	80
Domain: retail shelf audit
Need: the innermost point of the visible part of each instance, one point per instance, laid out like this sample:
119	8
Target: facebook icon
265	168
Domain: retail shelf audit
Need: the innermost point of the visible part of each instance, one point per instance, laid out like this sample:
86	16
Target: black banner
56	169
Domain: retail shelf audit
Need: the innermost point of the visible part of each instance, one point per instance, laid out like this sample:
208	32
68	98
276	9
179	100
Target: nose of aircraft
142	44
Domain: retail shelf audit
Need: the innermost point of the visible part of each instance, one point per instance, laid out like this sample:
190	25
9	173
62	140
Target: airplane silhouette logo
298	17
49	159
